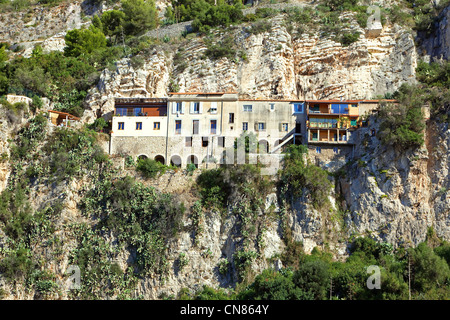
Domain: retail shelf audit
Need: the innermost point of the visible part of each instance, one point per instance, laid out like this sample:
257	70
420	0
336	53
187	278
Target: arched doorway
192	159
160	159
263	146
175	161
142	157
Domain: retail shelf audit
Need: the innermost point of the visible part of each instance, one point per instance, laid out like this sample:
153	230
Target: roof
350	101
274	100
202	93
64	114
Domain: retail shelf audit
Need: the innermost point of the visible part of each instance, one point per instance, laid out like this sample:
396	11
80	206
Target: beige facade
202	128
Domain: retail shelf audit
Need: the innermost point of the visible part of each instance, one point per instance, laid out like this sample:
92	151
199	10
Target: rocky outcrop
437	45
39	23
395	196
272	64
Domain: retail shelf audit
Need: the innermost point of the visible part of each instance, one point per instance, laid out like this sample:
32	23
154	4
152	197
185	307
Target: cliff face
395	196
437	45
391	195
277	65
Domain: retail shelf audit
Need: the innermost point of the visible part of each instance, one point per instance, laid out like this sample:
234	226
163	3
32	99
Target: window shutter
182	107
280	126
200	107
256	126
191	107
174	107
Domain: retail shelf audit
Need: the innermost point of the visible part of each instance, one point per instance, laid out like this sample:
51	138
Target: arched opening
263	146
160	159
192	159
142	157
175	161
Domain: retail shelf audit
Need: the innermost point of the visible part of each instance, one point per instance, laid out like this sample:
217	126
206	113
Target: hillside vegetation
66	201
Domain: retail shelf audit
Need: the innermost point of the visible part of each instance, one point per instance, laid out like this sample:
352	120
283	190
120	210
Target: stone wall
331	157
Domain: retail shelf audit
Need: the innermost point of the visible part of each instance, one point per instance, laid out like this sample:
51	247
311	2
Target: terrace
140	107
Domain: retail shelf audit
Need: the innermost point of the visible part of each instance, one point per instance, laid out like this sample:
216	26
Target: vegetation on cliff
122	217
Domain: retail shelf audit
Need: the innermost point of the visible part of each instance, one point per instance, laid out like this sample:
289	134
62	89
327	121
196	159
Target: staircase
289	138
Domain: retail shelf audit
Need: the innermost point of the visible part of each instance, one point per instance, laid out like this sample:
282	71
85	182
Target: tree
84	41
298	174
3	54
430	272
99	124
273	285
402	125
112	23
140	16
313	277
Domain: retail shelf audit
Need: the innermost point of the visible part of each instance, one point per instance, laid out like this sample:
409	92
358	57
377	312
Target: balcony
324	138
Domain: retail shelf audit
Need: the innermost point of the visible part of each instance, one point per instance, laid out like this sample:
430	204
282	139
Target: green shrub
214	190
265	12
348	38
150	168
17	264
140	16
190	168
298	174
220	15
99	124
83	41
273	285
183	261
434	74
222	49
402	125
250	17
259	27
431	272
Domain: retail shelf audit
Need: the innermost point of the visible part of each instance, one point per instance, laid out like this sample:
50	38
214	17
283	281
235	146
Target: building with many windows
202	128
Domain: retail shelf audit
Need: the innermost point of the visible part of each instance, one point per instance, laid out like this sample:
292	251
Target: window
205	141
339	108
248	108
314	109
318	150
221	142
188	141
195	107
298	107
213	107
213	126
121	111
177	107
231	118
138	112
245	126
177	126
284	127
121	125
156	125
272	106
138	125
195	126
261	126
